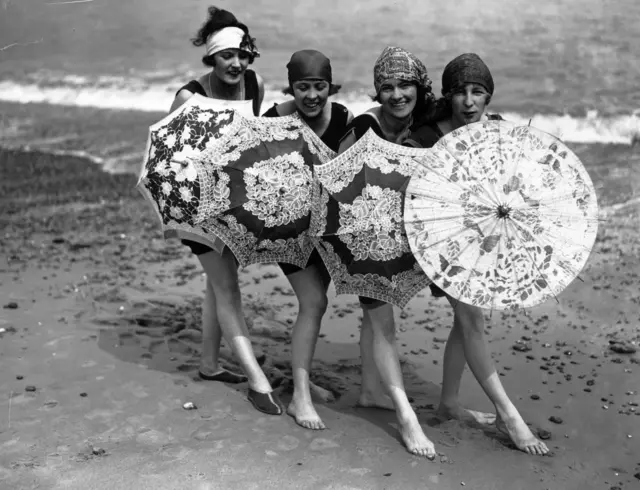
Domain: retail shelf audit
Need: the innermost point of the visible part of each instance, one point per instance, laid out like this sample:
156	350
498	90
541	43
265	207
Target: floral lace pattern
501	216
357	221
372	227
170	178
218	178
279	189
373	152
260	173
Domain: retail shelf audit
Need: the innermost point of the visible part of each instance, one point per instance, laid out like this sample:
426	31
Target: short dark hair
425	102
219	19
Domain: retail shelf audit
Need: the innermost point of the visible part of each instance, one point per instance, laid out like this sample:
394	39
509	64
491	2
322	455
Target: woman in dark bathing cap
229	51
467	87
311	84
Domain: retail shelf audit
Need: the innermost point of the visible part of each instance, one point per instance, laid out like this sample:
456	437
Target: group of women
407	113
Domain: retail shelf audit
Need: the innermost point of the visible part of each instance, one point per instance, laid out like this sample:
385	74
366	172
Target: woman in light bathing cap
467	87
403	90
229	51
311	84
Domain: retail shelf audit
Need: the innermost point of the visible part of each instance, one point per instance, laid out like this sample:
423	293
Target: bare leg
312	299
452	370
509	420
211	337
385	355
372	393
223	275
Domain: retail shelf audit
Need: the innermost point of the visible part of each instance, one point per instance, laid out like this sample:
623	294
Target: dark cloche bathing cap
309	64
466	68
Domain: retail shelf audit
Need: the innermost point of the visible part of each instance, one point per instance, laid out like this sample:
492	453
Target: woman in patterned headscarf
402	90
467	88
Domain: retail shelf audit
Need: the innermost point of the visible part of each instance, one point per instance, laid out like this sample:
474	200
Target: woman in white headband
229	51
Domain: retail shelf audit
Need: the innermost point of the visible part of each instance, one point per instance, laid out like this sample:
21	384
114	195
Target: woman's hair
426	104
219	19
442	109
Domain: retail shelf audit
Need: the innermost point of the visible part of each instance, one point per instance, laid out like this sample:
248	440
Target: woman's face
398	98
310	96
230	65
468	103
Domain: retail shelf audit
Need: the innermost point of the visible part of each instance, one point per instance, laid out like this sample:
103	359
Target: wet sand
99	345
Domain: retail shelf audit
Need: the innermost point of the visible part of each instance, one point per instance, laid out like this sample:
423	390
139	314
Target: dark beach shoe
224	376
268	403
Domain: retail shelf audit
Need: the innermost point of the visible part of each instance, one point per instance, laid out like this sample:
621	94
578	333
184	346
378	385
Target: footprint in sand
288	443
177	346
153	438
320	444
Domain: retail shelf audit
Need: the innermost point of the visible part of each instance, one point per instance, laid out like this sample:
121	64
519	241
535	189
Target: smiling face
230	65
310	96
468	104
398	98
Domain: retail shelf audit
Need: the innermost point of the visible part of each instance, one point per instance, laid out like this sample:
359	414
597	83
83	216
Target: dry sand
99	347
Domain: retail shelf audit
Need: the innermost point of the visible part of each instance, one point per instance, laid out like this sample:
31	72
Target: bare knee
315	304
470	319
382	322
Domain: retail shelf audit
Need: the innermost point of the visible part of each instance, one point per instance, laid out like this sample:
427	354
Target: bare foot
305	415
415	440
521	436
370	399
320	394
465	415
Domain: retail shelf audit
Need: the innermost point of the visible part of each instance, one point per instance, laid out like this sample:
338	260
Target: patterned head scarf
466	68
399	64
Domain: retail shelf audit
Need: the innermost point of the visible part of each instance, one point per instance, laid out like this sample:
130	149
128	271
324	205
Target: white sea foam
138	95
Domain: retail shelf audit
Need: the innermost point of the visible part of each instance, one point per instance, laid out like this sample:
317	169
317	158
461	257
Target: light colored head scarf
229	38
400	64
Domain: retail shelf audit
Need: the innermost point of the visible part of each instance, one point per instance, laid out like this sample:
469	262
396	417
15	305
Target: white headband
226	38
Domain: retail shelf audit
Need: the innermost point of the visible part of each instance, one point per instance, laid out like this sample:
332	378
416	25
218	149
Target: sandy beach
99	345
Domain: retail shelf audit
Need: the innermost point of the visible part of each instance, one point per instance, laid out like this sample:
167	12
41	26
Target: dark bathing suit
331	137
252	92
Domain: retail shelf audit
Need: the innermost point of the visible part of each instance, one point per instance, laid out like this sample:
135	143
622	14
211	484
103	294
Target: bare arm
260	91
347	141
180	99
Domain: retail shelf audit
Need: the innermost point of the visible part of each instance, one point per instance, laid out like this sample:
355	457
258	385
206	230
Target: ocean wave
140	95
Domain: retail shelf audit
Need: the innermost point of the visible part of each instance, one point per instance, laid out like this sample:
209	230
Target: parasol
357	221
172	188
257	188
501	216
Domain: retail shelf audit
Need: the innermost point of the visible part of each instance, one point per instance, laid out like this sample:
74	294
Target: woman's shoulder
362	123
426	135
279	110
193	86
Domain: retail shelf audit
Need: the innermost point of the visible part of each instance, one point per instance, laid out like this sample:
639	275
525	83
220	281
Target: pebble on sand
30	388
620	348
189	406
544	434
555	419
11	306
